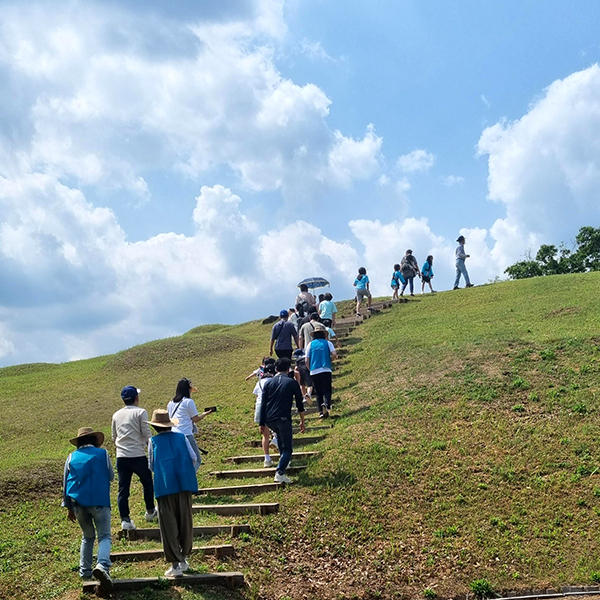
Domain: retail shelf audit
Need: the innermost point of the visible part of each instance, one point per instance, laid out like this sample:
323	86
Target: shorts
395	286
426	279
257	411
327	322
305	376
362	293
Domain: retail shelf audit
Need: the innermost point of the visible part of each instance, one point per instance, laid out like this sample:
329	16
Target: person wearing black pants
322	383
318	358
126	467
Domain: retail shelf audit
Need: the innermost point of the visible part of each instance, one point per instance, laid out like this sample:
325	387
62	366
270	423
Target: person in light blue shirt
318	359
397	279
461	269
361	283
427	274
328	310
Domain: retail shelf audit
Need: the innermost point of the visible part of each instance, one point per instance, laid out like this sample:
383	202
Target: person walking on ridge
361	283
173	462
427	274
461	269
281	336
397	279
276	413
86	495
409	268
130	433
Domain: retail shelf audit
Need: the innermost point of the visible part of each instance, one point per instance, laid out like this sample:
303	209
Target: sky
165	165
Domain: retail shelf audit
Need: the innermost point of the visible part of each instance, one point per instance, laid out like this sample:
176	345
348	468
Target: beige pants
176	525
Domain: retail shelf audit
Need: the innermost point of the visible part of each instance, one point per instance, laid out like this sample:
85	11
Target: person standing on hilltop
409	267
281	337
461	269
305	298
427	274
397	280
278	396
130	433
361	283
86	495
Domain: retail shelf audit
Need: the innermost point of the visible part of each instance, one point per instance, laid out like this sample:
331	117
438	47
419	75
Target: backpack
406	269
305	306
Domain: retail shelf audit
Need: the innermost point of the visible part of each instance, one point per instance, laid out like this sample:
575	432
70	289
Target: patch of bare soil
35	483
562	312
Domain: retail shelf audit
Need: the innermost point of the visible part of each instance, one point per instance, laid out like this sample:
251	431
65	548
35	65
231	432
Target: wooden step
218	551
232	579
313	428
264	472
153	533
240	490
229	510
260	457
298	441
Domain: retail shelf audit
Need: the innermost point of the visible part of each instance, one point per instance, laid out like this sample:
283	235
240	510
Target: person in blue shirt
86	495
397	279
282	334
173	462
318	358
328	310
427	274
361	283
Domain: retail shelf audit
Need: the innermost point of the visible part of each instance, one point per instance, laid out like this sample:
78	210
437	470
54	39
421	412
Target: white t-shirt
184	411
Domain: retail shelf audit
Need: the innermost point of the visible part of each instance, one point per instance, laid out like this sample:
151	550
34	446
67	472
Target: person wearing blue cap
130	433
281	336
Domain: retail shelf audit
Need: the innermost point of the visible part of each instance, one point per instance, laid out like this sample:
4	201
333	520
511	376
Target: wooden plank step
219	551
313	428
153	533
231	579
259	457
298	441
229	510
241	490
309	410
264	472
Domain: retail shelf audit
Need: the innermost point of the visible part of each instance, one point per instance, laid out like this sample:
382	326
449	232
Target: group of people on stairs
167	475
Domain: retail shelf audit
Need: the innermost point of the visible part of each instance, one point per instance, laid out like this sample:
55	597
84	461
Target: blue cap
284	313
129	392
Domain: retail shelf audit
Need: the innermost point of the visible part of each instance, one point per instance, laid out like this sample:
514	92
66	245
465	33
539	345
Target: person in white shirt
183	408
130	433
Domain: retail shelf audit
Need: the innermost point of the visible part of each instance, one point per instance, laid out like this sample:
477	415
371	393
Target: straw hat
160	418
319	327
86	431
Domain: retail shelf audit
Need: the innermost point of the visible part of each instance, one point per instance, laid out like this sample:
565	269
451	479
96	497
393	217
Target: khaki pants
176	526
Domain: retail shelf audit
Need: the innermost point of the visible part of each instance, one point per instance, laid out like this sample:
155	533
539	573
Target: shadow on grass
171	593
337	479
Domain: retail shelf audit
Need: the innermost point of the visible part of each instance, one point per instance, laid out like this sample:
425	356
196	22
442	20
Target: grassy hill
467	447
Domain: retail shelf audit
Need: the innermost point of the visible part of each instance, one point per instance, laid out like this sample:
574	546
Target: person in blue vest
173	462
318	358
86	495
427	274
397	279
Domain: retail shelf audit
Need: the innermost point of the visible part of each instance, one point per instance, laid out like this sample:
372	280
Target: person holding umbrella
305	298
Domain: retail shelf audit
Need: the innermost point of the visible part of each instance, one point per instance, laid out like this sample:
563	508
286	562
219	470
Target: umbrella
312	283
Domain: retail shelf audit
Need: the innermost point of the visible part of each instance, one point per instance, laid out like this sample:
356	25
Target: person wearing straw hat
173	462
86	495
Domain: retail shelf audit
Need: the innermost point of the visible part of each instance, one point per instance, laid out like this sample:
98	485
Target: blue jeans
92	520
192	440
461	268
409	281
283	429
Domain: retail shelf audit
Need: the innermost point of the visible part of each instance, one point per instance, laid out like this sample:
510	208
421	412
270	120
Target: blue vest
88	480
320	356
173	467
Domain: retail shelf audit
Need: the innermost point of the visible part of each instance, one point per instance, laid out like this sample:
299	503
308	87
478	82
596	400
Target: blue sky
176	164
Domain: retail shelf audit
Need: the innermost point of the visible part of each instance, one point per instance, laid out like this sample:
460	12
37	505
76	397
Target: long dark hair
183	389
430	260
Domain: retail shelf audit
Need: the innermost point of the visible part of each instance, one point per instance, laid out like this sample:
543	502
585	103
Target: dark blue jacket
277	398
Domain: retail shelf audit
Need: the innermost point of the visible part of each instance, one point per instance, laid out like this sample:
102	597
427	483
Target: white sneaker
282	478
103	577
152	516
273	444
174	571
128	525
184	566
268	463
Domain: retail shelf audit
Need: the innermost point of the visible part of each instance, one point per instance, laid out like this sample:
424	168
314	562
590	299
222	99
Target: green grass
467	450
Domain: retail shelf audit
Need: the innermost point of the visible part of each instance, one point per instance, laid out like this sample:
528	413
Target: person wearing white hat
86	495
130	433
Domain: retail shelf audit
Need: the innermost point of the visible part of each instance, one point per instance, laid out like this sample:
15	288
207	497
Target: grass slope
466	448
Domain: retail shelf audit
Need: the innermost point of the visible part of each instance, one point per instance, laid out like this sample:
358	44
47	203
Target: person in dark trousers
173	463
130	433
427	274
282	334
318	356
409	267
461	268
276	413
86	495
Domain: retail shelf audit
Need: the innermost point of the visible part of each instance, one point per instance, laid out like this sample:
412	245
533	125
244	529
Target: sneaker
456	288
321	416
273	444
358	314
128	525
268	463
184	566
412	295
174	571
152	516
469	285
103	577
281	478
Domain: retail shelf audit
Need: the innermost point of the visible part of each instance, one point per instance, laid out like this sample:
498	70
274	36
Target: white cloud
452	180
315	52
417	160
545	167
484	99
